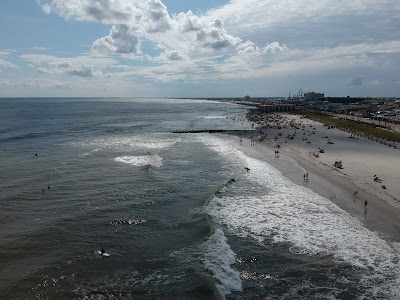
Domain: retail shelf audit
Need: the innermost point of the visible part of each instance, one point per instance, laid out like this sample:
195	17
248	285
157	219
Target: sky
199	48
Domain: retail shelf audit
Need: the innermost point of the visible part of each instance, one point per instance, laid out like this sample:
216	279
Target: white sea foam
90	153
146	160
283	212
218	260
215	117
131	143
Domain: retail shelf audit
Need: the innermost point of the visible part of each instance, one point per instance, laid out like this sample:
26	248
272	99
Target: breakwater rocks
212	131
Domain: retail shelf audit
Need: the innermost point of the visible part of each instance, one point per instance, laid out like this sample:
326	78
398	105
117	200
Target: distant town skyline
208	48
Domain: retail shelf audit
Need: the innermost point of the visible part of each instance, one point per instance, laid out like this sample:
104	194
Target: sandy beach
369	169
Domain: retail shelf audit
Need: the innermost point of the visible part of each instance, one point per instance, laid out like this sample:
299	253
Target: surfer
103	253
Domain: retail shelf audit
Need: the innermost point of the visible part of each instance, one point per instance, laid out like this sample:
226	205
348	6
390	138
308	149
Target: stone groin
212	131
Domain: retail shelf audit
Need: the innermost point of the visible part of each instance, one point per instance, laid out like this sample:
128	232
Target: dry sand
361	159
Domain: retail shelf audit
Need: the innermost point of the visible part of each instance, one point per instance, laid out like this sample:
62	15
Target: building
313	96
277	107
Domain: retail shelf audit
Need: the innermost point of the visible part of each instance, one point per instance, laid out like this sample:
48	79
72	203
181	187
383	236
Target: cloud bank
260	42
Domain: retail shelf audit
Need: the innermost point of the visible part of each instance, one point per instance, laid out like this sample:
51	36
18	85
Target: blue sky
192	48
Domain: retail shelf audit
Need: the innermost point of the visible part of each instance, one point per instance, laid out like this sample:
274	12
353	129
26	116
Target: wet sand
361	158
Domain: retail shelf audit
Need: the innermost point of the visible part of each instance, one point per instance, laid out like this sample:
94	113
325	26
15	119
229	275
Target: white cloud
38	83
242	39
254	15
84	71
155	17
134	21
44	71
7	83
251	48
65	62
122	39
6	65
83	66
274	47
216	37
171	78
187	22
168	55
102	11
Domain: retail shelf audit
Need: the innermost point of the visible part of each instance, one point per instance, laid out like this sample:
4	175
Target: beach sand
361	158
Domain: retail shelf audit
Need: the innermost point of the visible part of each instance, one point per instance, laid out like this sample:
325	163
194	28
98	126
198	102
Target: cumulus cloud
231	40
102	11
122	39
136	20
249	47
170	55
274	47
44	71
188	22
155	17
84	71
216	37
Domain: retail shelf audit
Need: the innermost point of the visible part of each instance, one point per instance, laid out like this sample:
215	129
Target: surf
268	208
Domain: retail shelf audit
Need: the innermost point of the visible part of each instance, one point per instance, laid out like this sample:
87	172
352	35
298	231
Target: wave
218	260
139	161
150	142
279	211
130	222
90	153
29	135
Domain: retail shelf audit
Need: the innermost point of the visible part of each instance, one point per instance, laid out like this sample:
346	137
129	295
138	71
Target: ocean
178	213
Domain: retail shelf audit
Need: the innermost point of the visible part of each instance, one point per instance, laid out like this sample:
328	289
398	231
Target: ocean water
178	213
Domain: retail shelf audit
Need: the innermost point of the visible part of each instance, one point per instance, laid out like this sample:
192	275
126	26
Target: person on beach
355	194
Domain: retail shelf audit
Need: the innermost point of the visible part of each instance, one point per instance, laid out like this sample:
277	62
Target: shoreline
382	211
